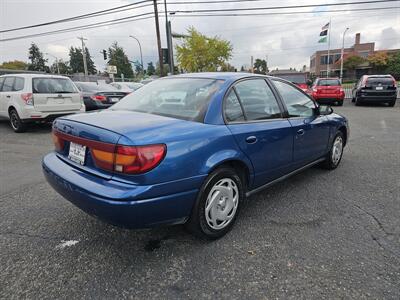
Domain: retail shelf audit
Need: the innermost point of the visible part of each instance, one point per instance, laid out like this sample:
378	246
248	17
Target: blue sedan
190	148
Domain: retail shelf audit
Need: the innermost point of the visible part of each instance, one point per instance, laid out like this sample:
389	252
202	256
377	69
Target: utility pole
252	64
160	56
84	56
171	49
341	56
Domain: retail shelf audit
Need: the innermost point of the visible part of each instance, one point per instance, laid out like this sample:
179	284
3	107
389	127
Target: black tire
392	103
16	124
340	103
197	223
358	101
329	163
353	99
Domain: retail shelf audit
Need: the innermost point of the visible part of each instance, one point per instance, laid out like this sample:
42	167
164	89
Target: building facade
319	60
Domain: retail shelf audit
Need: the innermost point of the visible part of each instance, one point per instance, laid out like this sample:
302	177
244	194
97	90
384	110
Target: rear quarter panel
193	149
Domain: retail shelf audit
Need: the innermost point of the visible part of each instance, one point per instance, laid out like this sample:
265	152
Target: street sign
111	69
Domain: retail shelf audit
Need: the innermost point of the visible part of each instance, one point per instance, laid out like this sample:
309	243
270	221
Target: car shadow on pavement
31	128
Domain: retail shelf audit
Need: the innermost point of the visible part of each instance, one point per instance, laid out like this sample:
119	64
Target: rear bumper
30	114
374	97
328	100
115	202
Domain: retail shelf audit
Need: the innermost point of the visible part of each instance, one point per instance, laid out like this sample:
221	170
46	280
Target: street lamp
58	68
341	56
141	56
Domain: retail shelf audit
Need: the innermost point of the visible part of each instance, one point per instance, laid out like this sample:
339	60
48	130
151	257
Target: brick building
319	60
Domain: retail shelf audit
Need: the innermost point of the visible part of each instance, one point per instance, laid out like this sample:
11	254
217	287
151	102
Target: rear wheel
357	101
217	204
334	156
16	124
340	103
392	103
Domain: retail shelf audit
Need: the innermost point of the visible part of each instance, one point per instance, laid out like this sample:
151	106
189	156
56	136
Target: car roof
29	75
219	75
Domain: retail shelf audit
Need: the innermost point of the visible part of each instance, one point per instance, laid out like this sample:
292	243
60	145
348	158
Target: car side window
8	84
19	84
258	100
233	110
1	83
297	104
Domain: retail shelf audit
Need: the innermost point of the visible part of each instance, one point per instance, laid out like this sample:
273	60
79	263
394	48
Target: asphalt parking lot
318	235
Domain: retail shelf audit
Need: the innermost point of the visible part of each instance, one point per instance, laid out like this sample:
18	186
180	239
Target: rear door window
258	100
52	86
233	109
8	84
19	84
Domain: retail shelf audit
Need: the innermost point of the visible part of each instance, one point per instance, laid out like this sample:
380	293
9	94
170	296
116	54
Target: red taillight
98	98
138	159
28	98
58	142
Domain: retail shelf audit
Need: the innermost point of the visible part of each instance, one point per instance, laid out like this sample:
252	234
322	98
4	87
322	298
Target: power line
88	26
281	7
192	13
129	7
84	16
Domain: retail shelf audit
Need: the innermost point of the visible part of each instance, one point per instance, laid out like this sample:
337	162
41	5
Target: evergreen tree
119	59
76	61
38	62
151	70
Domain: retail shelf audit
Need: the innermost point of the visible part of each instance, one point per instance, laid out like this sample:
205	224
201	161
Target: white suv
26	98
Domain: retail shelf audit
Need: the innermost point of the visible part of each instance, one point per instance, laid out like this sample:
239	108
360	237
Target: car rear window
328	82
380	80
53	86
181	98
295	78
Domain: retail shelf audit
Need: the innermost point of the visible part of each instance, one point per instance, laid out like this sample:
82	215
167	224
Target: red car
299	79
327	91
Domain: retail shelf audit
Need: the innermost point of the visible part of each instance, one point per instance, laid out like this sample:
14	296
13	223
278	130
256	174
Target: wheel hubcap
14	121
337	150
222	203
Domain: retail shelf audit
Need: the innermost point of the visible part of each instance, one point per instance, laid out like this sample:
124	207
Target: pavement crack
377	221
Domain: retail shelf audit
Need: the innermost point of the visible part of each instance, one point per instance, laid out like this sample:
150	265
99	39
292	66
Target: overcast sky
288	40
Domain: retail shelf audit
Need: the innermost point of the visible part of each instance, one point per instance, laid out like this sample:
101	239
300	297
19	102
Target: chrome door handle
251	139
8	96
300	131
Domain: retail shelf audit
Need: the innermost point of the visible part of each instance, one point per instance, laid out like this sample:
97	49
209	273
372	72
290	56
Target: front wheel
392	103
16	123
334	156
217	204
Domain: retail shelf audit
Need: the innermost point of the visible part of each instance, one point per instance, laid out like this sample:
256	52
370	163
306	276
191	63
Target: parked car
27	98
146	162
299	79
327	91
98	96
128	87
375	88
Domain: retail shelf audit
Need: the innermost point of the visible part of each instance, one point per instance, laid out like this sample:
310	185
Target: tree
394	65
353	61
63	66
14	65
151	70
119	59
76	61
227	67
379	60
38	63
260	66
199	53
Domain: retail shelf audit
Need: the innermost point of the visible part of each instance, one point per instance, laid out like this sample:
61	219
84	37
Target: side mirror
325	110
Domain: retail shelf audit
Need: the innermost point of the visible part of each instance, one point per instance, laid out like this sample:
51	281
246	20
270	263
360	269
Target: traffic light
105	54
165	56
